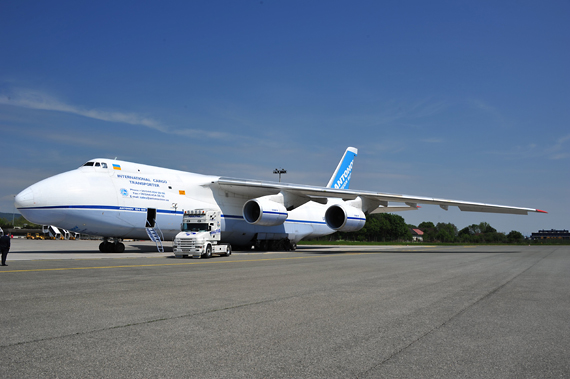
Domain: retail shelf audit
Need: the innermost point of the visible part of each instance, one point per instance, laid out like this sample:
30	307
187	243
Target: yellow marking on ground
161	264
214	261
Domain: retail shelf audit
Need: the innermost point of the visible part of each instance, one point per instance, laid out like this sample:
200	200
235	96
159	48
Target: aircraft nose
25	199
37	205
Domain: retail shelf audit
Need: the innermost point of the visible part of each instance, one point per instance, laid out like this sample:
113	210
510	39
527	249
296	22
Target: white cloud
559	156
557	152
492	112
33	99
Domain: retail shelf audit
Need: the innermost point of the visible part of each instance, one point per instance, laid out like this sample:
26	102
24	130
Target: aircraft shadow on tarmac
128	249
145	249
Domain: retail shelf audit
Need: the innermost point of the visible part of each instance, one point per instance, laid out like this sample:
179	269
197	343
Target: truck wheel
208	253
228	251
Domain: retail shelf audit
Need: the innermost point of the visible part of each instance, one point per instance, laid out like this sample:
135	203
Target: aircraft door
150	217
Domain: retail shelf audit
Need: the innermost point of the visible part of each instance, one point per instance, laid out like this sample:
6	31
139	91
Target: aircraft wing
375	200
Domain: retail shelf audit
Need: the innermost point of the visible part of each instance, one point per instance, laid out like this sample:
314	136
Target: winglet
539	211
341	177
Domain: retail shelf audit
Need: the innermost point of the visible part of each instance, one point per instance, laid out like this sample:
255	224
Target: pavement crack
453	317
146	322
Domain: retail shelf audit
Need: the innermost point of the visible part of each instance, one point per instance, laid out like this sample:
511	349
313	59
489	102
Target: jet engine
344	218
264	212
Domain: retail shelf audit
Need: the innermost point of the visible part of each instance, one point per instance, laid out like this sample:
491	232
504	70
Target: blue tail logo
341	177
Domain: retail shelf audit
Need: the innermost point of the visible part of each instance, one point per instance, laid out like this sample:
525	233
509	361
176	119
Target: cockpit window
96	164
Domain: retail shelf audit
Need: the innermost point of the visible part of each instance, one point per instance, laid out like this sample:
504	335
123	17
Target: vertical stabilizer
341	177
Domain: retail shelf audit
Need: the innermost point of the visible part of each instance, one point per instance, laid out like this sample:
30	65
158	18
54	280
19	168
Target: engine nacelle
344	218
264	212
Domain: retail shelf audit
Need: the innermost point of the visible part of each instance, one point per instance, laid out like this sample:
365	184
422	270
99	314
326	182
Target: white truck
200	235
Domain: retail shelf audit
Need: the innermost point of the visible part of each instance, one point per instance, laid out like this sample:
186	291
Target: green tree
429	231
426	225
446	232
474	229
371	229
383	232
486	228
515	236
389	227
464	235
380	227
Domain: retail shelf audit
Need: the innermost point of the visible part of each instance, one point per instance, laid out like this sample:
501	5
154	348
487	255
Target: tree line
388	227
475	233
19	221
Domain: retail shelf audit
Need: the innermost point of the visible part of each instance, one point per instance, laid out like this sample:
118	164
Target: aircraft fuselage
117	198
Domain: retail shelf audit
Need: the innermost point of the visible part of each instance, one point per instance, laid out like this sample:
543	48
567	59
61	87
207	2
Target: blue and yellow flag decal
116	167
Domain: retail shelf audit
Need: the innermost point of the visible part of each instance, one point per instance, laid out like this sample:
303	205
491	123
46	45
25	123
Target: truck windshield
195	227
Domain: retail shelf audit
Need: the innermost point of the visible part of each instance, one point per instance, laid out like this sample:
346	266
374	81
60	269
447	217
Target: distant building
551	234
417	235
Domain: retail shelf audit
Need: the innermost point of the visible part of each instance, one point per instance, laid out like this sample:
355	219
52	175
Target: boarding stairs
155	237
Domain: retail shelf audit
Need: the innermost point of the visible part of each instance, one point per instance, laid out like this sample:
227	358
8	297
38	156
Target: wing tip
539	211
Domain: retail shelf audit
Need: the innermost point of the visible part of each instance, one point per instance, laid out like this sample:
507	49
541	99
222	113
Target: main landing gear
115	246
283	244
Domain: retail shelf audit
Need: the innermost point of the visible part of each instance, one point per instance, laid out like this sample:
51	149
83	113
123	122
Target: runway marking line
207	262
158	264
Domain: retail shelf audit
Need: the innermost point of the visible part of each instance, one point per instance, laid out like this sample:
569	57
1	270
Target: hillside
8	216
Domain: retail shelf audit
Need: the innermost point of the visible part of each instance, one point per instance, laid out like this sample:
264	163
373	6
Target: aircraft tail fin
341	176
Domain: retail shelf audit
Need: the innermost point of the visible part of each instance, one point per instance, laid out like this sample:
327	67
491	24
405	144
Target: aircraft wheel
104	247
118	247
208	253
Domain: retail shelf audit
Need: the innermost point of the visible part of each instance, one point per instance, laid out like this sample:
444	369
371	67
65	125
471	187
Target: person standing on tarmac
4	248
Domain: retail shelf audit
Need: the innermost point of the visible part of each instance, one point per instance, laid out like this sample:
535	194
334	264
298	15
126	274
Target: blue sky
452	99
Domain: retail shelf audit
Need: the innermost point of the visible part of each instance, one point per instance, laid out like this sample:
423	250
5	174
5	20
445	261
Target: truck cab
200	235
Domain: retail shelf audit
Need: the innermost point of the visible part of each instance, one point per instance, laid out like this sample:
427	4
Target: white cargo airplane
118	199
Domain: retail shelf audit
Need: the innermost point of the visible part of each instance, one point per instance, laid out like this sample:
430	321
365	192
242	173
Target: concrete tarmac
319	312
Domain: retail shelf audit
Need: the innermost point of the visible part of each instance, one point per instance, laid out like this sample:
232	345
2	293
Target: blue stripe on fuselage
137	209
